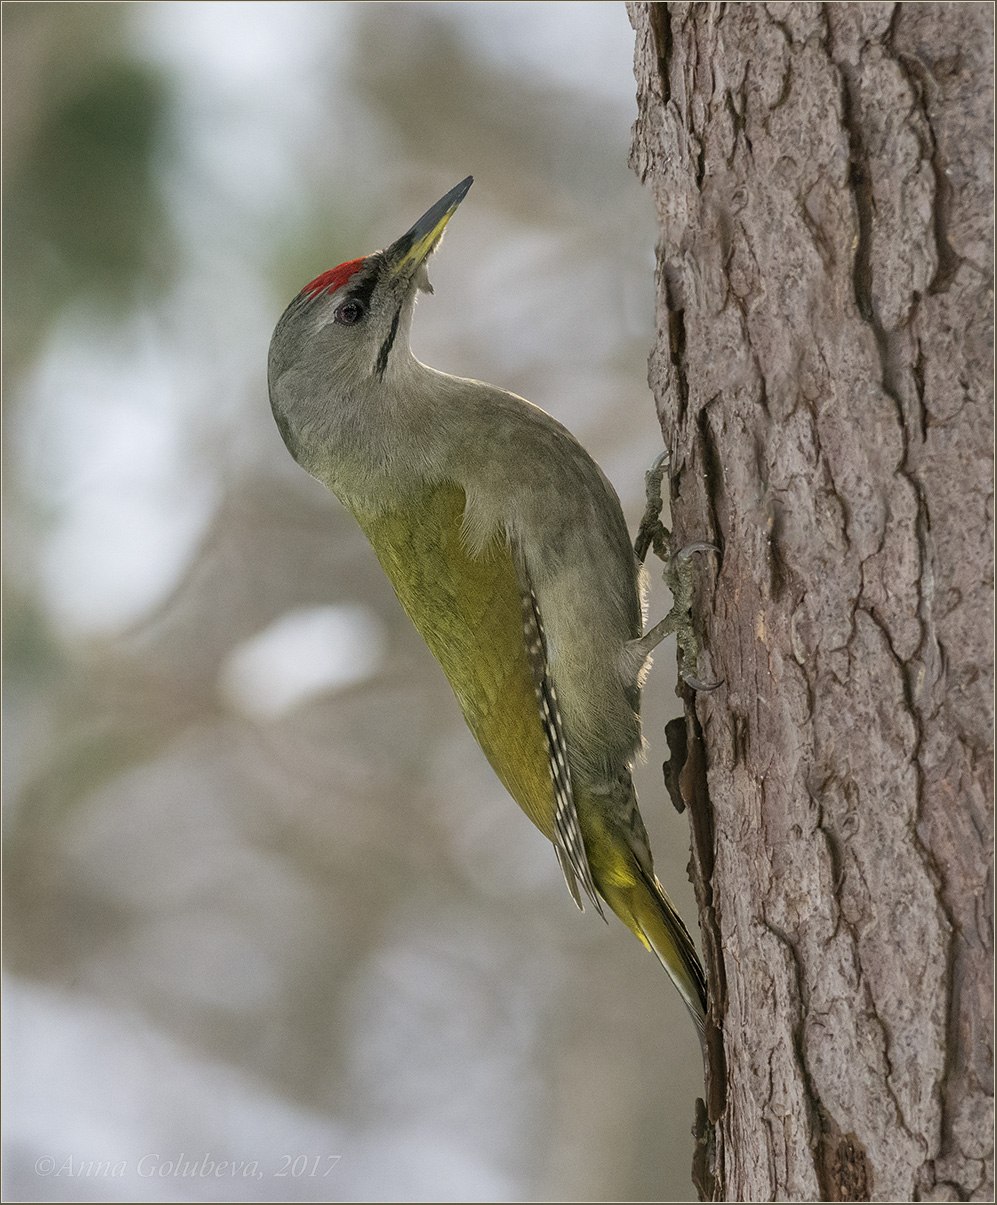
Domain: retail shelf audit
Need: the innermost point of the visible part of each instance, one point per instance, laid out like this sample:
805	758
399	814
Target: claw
685	553
699	684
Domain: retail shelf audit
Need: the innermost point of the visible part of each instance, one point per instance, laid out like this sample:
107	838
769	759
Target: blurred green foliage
83	214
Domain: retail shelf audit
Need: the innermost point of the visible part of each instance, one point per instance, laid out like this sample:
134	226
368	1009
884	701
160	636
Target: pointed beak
405	256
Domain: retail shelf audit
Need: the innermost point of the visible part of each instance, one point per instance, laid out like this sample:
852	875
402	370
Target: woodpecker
507	547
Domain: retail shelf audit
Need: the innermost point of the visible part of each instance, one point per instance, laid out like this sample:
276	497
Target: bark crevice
823	382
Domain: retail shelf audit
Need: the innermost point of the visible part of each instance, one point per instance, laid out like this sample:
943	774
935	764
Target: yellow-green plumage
467	609
508	548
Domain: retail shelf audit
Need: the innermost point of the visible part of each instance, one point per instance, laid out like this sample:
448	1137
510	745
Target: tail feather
618	852
658	925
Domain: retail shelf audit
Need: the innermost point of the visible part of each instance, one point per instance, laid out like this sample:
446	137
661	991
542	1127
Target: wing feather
477	610
569	844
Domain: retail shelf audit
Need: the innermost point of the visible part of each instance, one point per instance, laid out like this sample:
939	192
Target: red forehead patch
334	279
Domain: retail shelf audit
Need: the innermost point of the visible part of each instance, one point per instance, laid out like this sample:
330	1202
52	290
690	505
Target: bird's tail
618	854
663	930
644	908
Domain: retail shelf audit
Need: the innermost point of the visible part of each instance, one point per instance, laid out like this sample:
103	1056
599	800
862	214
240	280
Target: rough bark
823	376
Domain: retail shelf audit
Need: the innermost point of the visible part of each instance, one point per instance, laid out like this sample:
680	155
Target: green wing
469	612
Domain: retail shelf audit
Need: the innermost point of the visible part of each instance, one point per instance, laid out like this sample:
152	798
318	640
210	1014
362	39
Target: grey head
347	330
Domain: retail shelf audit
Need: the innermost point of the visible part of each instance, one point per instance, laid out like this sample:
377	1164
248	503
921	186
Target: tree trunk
823	377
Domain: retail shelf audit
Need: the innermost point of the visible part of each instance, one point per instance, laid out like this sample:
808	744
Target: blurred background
265	901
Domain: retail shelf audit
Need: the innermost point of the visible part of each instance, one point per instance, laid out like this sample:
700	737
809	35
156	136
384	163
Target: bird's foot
679	577
652	533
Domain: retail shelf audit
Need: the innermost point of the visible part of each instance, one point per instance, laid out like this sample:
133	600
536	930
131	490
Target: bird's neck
379	438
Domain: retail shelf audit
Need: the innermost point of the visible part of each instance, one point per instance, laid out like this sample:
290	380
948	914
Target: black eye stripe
363	290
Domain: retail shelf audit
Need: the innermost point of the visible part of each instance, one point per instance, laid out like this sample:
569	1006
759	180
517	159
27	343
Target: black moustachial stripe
382	355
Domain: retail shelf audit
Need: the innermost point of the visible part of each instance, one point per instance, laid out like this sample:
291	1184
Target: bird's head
348	328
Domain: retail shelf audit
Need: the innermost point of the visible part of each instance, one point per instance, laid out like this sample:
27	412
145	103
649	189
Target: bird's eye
349	313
